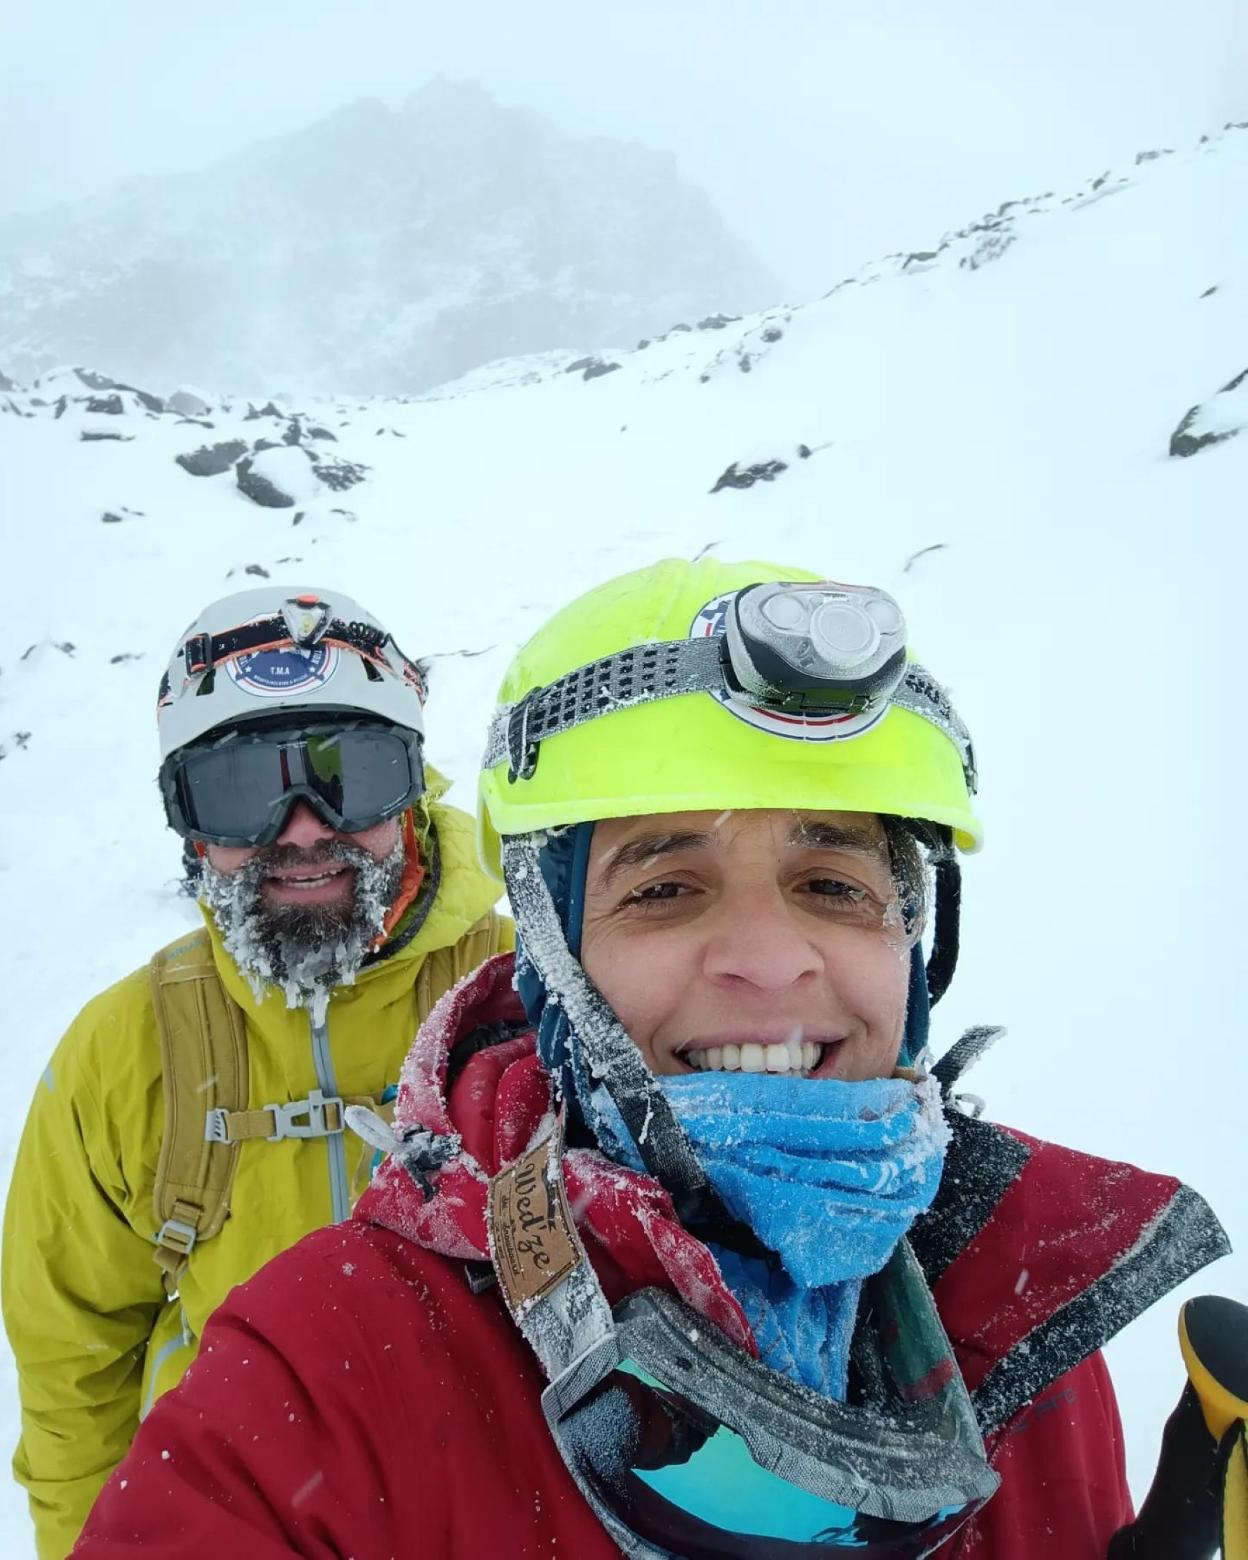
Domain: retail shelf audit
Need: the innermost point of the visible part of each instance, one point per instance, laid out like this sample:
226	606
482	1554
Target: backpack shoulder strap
203	1058
446	967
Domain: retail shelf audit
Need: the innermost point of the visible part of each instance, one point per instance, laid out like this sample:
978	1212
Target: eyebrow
814	834
649	847
806	834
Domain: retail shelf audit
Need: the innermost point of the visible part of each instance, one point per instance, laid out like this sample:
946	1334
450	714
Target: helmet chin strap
613	1060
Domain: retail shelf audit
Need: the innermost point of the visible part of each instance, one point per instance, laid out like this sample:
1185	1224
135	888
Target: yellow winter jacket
95	1338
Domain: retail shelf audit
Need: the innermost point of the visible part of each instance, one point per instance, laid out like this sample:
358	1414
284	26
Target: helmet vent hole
210	676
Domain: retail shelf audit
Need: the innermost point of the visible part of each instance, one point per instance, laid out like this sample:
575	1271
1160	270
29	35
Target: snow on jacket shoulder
357	1393
94	1336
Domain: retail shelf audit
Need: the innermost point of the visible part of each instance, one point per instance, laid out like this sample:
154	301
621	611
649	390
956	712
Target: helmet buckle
521	752
198	654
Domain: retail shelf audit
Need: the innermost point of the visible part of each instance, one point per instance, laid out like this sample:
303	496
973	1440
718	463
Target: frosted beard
303	950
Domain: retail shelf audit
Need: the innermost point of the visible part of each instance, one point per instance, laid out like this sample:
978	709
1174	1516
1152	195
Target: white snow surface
1002	405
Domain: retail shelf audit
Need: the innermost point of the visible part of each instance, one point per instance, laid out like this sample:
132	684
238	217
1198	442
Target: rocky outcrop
210	460
1223	416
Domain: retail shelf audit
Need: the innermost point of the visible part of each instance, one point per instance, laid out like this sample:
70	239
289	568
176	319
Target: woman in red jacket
680	1247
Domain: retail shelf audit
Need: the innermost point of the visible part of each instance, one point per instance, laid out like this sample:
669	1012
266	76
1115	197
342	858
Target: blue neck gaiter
829	1175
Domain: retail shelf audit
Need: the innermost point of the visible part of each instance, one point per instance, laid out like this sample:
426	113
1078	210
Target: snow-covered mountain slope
987	428
375	250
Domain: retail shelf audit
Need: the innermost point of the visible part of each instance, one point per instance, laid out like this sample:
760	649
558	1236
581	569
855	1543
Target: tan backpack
203	1058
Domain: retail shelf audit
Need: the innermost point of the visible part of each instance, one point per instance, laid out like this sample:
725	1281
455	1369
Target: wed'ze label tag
531	1232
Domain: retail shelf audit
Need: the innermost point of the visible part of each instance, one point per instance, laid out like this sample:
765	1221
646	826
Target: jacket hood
473	1079
1114	1238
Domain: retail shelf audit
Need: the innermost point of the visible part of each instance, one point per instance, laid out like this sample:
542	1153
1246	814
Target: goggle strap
665	670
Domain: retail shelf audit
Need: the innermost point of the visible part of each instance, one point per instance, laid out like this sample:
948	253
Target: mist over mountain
376	251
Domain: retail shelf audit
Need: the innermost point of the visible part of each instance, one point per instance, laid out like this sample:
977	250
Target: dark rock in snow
772	334
94	381
195	422
590	368
339	474
150	402
1209	291
95	436
268	410
210	460
718	321
760	471
293	433
126	655
6	383
268	444
62	401
258	488
1190	436
108	405
258	569
109	518
318	432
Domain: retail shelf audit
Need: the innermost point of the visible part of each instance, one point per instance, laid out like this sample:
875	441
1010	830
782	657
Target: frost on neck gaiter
302	950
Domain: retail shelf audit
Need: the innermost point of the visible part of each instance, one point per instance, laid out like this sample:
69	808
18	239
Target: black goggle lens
240	792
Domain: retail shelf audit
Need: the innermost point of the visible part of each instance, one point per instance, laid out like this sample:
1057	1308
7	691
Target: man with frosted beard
190	1124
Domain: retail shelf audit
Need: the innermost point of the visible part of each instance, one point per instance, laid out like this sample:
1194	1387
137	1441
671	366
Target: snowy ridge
991	443
377	250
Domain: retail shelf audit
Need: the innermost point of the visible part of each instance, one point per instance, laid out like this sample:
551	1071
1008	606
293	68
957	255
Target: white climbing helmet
258	653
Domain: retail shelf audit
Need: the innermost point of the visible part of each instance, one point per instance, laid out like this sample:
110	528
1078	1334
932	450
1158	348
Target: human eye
841	898
656	894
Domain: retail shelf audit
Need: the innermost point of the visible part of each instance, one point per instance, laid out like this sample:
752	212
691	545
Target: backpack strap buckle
319	1115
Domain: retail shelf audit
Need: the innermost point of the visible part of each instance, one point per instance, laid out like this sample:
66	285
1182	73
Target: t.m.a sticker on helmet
259	653
277	674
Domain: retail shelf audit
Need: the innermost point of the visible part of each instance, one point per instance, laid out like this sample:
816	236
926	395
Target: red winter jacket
356	1399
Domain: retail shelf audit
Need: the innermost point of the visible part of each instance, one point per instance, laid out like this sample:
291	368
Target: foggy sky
827	131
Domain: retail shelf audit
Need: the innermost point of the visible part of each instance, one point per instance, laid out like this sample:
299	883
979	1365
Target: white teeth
788	1056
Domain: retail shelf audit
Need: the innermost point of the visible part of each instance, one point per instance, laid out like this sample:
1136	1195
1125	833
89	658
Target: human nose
760	945
303	827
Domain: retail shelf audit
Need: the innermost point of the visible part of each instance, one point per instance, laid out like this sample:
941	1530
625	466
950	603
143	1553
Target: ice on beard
304	955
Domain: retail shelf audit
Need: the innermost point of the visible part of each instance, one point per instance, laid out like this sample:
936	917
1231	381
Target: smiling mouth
803	1057
306	881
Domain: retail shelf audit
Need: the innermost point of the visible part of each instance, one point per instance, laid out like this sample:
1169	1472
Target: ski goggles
686	1446
240	789
811	650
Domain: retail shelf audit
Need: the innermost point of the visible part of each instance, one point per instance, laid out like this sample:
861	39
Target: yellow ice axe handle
1213	1335
1198	1503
